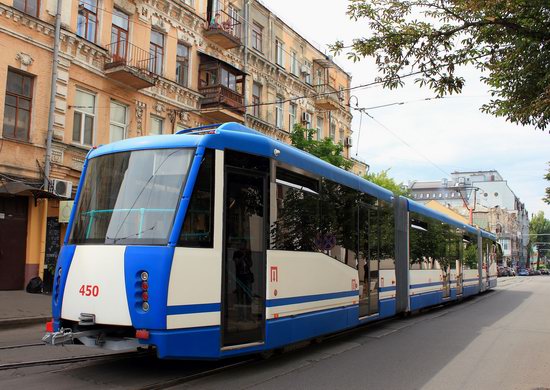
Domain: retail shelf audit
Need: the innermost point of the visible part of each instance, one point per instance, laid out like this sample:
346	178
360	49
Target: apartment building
130	68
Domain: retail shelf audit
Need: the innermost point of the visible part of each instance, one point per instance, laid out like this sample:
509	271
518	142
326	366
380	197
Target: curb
8	323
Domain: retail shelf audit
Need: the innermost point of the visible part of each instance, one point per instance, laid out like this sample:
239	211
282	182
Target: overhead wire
402	140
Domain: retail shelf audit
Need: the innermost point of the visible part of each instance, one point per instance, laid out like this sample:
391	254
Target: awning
16	188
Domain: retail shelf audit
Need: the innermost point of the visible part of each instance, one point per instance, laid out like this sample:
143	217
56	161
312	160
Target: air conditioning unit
305	69
348	142
62	188
306	117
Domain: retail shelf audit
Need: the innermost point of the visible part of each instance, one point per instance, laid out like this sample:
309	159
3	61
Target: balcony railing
220	95
224	30
327	98
132	65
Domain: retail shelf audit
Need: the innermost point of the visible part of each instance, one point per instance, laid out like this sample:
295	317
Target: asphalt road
499	340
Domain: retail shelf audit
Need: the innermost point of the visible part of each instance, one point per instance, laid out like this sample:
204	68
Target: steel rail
74	359
21	346
164	384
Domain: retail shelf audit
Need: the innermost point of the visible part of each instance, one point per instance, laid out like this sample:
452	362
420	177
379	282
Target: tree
428	39
547	197
539	229
303	138
383	180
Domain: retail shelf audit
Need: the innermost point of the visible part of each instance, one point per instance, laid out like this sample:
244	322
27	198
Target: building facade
130	68
486	198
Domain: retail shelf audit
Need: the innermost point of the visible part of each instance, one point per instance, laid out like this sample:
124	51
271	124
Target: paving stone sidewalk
21	308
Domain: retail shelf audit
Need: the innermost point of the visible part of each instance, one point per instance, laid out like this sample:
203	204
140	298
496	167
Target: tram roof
240	138
424	210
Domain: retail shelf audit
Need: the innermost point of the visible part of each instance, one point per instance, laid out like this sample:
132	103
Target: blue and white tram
219	241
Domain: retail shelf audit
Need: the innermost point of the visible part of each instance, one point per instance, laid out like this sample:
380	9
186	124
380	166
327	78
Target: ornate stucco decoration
25	60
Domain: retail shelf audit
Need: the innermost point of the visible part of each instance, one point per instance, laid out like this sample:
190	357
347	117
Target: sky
425	139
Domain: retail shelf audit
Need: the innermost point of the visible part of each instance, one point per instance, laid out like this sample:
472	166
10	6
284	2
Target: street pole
51	115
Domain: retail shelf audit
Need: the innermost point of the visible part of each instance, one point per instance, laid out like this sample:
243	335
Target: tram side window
297	220
427	243
470	251
338	228
198	227
453	246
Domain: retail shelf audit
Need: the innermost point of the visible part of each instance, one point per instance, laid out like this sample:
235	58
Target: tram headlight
144	276
145	306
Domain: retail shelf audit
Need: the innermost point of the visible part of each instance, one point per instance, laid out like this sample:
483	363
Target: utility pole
245	30
467	203
51	115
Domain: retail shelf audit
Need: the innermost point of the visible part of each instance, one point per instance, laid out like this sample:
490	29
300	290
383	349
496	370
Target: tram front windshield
131	197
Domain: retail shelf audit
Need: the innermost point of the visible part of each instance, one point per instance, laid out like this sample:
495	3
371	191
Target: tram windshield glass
131	197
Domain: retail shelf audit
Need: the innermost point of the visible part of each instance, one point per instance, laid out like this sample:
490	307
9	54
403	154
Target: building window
341	136
320	125
17	107
84	116
119	121
292	111
279	112
30	7
156	50
294	63
87	20
257	36
256	98
119	35
420	196
156	125
235	28
279	58
307	72
333	131
182	65
440	195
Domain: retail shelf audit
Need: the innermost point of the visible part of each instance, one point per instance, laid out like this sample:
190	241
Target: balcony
222	104
327	97
132	66
224	30
221	84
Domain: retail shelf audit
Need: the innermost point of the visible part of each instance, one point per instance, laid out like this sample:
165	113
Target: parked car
544	271
501	271
511	271
523	272
537	272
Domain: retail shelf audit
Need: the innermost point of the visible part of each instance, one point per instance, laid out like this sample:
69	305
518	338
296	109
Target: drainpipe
48	164
245	60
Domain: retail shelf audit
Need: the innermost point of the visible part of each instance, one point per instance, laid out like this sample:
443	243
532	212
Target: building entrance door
13	242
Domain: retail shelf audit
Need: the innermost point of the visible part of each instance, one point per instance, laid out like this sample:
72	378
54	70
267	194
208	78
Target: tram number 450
89	290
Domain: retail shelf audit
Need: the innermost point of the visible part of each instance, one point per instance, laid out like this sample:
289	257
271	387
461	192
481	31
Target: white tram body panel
305	282
98	267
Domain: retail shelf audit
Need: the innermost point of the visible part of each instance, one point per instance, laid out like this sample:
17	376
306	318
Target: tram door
368	259
243	301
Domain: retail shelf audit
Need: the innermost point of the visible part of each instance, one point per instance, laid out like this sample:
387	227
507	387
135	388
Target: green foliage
539	228
325	149
384	180
547	197
508	39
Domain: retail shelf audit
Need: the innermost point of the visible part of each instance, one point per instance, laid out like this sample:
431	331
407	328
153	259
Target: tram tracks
69	360
171	382
21	346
